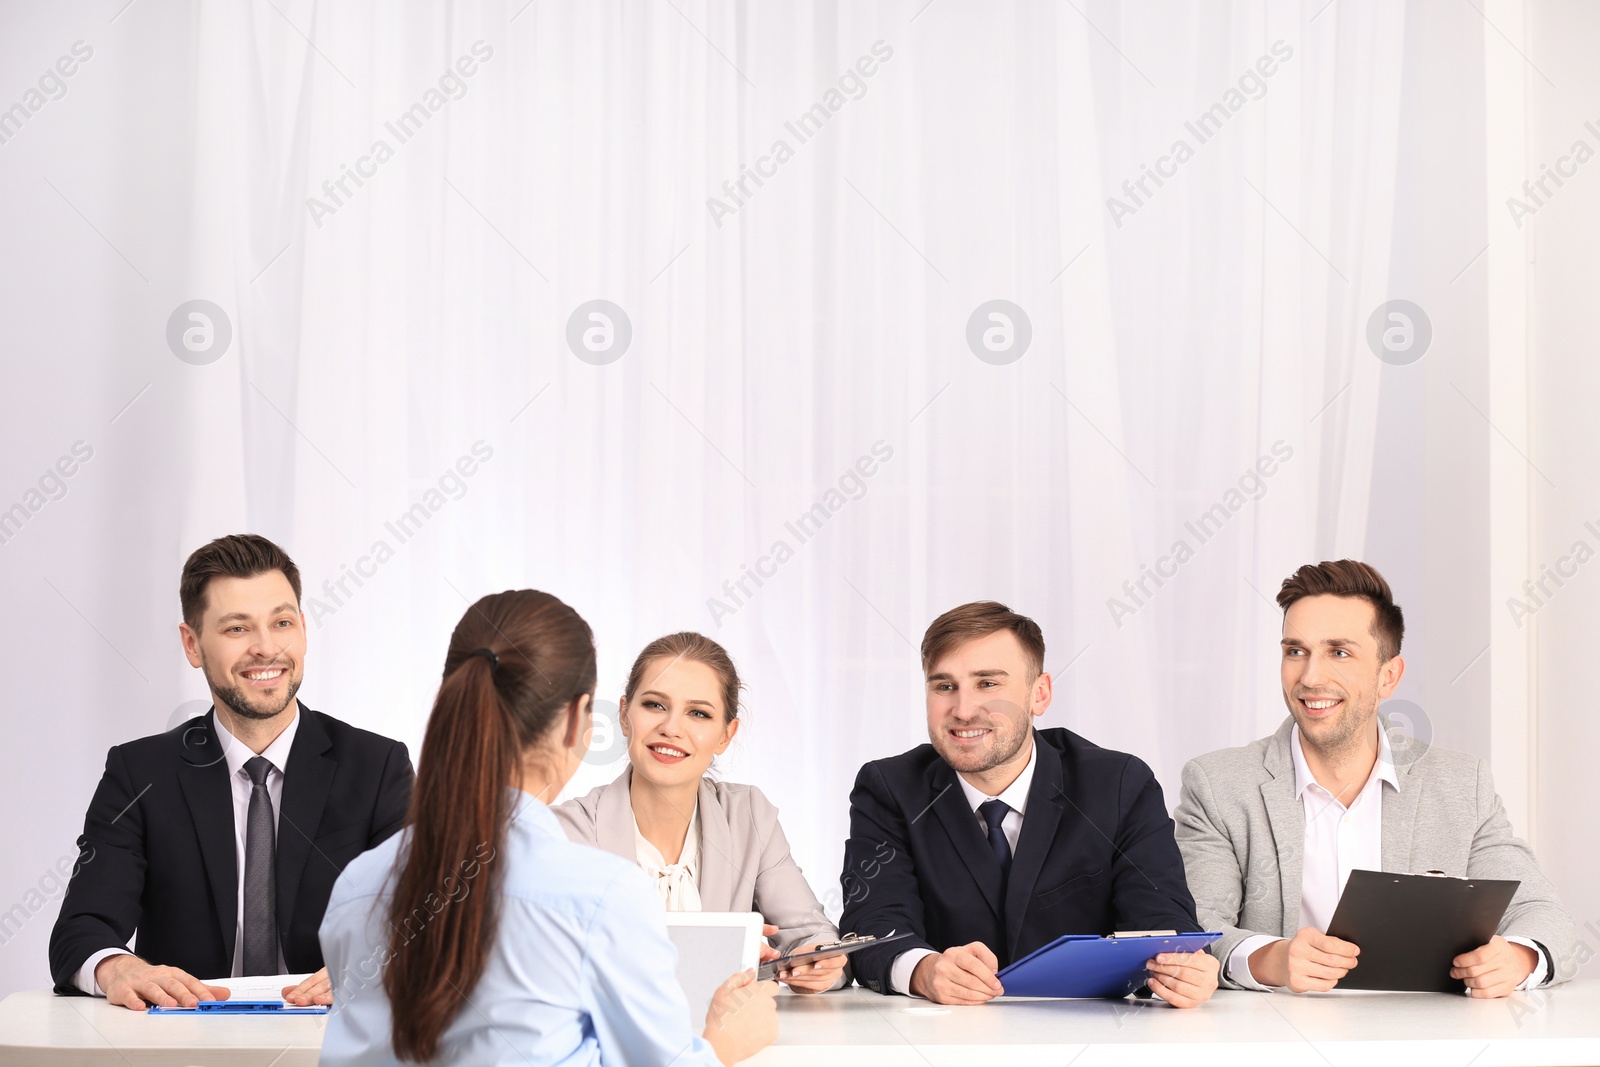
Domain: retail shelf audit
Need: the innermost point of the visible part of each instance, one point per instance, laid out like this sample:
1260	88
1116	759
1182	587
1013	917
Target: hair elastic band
488	654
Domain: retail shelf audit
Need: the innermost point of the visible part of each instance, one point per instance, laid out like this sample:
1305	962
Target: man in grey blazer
1270	832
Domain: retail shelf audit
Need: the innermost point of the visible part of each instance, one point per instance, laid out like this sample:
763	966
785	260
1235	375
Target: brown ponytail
517	661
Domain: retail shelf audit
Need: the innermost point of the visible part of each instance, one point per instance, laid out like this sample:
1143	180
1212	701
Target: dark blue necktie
994	813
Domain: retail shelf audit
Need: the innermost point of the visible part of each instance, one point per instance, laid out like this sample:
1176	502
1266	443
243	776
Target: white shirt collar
237	753
1383	770
1015	796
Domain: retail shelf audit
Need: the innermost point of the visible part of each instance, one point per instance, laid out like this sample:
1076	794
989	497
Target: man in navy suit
998	838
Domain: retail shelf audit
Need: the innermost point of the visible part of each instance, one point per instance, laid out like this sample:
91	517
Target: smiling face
1333	674
982	697
676	721
251	644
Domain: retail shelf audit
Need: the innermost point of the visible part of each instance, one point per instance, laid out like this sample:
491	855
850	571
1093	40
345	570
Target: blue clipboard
1084	965
240	1007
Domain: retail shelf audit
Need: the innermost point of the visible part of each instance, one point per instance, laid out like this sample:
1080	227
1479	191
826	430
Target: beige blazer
745	863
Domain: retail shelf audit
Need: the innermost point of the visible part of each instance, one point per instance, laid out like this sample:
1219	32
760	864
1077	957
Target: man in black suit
998	838
219	841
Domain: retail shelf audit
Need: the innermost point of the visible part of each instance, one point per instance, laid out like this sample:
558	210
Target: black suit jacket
157	853
1096	854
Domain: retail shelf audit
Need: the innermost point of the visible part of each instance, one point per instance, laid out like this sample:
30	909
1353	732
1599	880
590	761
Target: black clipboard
1410	926
851	943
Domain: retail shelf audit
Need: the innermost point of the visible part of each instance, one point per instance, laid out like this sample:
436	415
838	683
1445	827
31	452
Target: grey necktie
260	875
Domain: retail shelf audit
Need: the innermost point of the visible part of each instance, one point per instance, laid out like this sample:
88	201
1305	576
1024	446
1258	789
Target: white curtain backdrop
1198	372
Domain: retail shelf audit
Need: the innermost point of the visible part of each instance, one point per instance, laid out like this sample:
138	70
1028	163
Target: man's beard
998	755
1344	735
237	700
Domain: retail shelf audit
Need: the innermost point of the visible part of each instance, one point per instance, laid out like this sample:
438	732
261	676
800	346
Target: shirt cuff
904	964
85	980
1541	970
1238	966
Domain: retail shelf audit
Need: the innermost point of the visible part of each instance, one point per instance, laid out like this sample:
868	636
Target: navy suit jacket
1096	854
158	854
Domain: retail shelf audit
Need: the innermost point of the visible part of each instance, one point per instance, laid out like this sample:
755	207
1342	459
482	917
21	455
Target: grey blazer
745	863
1241	830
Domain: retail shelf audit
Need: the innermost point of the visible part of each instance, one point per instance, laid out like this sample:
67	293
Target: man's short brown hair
1351	578
980	619
233	556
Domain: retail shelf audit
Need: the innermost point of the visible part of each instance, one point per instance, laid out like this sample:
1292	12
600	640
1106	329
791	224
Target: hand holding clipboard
1411	926
1087	965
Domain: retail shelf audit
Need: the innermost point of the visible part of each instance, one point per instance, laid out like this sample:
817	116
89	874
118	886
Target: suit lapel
306	782
1400	806
1046	800
950	808
203	777
613	818
720	876
1288	818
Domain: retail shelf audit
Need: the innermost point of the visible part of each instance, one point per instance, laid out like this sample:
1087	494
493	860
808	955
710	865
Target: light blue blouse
581	971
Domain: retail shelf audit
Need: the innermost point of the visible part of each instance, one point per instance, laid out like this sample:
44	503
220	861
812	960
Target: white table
1560	1026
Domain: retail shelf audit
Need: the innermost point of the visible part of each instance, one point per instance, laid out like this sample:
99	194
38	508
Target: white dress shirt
1339	839
678	884
236	753
1015	797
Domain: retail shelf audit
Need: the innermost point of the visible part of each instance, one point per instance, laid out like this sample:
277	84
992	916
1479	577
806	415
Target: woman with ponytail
480	934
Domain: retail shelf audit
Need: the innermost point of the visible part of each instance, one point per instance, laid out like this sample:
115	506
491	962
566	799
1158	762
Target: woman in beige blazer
710	846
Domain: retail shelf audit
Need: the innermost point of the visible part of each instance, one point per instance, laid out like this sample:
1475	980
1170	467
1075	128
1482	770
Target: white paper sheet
258	987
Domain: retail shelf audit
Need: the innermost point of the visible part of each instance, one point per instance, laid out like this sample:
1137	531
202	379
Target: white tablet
712	947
